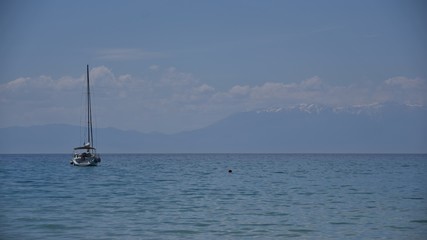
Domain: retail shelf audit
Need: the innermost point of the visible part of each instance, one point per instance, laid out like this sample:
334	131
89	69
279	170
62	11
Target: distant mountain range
299	129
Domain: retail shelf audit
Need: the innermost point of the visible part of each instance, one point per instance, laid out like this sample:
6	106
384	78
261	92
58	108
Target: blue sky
176	65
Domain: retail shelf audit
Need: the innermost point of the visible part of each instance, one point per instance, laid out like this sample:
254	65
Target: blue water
192	196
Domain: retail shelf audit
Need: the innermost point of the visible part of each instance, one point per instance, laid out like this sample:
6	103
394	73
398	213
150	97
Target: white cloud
125	54
404	82
68	83
204	88
271	90
239	90
311	83
404	90
173	78
16	83
171	100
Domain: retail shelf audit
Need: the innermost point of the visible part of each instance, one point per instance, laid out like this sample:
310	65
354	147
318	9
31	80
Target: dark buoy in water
230	171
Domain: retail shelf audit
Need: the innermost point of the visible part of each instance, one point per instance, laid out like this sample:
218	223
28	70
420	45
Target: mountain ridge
304	128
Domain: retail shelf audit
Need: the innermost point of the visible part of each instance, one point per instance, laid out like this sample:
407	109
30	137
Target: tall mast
89	110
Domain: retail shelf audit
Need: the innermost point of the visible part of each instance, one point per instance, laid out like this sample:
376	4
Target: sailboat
86	155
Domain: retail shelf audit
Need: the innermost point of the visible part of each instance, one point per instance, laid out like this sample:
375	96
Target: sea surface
193	196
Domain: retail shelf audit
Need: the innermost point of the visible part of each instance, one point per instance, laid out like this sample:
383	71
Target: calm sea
193	196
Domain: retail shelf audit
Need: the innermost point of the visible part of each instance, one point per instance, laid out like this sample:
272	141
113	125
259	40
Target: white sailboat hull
85	161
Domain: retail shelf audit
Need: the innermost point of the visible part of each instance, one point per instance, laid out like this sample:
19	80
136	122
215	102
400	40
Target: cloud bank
169	100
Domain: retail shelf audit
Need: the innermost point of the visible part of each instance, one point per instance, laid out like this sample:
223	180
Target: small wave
181	232
401	228
53	226
288	235
420	221
341	223
362	193
301	230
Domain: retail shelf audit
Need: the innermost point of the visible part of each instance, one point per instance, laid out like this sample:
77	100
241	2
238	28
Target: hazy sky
177	65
